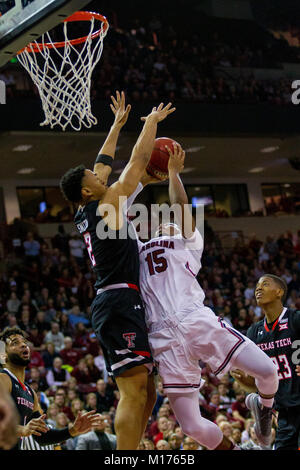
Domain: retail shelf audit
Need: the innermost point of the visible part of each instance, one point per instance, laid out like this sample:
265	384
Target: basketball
158	164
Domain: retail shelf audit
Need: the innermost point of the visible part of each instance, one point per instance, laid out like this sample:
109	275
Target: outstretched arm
177	192
110	208
135	169
107	152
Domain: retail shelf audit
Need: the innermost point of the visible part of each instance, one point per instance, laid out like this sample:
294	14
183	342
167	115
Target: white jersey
168	270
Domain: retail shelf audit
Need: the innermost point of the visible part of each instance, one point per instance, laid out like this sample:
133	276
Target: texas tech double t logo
129	337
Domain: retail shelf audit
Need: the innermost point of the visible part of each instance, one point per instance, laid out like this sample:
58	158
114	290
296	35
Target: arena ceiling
50	154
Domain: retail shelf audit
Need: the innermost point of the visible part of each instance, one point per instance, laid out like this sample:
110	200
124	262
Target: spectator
35	376
94	372
191	444
36	359
163	429
225	401
91	402
62	421
13	303
32	248
226	429
56	376
175	441
60	402
69	355
42	326
35	337
75	317
162	444
105	398
100	363
52	413
56	337
252	443
236	436
81	372
76	406
49	354
239	410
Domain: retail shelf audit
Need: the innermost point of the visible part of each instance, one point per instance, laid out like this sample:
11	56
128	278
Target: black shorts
118	319
288	431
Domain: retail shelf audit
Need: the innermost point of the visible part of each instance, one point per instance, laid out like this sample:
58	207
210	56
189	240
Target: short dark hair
8	332
70	183
280	282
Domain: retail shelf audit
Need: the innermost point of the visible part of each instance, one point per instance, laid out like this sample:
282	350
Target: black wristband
105	159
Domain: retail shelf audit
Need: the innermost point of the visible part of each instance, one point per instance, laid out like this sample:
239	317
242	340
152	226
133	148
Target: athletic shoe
263	420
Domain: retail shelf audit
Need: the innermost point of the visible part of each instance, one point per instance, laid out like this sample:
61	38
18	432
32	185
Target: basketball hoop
63	72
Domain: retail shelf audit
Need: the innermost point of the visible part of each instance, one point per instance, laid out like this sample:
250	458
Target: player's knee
138	392
194	428
271	371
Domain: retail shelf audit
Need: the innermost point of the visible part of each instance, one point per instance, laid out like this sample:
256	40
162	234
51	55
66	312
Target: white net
63	77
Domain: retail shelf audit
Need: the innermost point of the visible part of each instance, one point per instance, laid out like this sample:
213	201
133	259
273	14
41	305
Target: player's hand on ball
149	179
298	370
176	160
160	113
118	108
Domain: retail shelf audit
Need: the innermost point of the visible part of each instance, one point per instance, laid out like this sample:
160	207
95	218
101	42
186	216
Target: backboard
23	21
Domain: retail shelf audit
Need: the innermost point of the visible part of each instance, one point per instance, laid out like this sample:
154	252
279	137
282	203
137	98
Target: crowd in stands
46	288
156	61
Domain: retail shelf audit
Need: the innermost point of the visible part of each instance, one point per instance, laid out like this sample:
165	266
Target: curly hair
70	183
8	332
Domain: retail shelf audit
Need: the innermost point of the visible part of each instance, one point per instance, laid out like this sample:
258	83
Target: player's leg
187	411
121	329
288	430
256	363
129	419
151	400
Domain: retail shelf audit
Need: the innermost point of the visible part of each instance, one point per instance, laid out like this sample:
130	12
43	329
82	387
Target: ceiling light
195	149
188	170
287	185
256	170
22	148
269	149
26	171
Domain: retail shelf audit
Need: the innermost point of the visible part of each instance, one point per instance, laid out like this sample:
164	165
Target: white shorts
178	344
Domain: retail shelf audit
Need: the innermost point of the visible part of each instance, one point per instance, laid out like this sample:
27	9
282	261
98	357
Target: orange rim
78	16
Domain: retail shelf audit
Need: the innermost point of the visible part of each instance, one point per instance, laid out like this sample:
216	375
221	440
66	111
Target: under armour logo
137	307
129	337
260	332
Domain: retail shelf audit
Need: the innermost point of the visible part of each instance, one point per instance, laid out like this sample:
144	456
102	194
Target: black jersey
280	341
23	397
115	259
